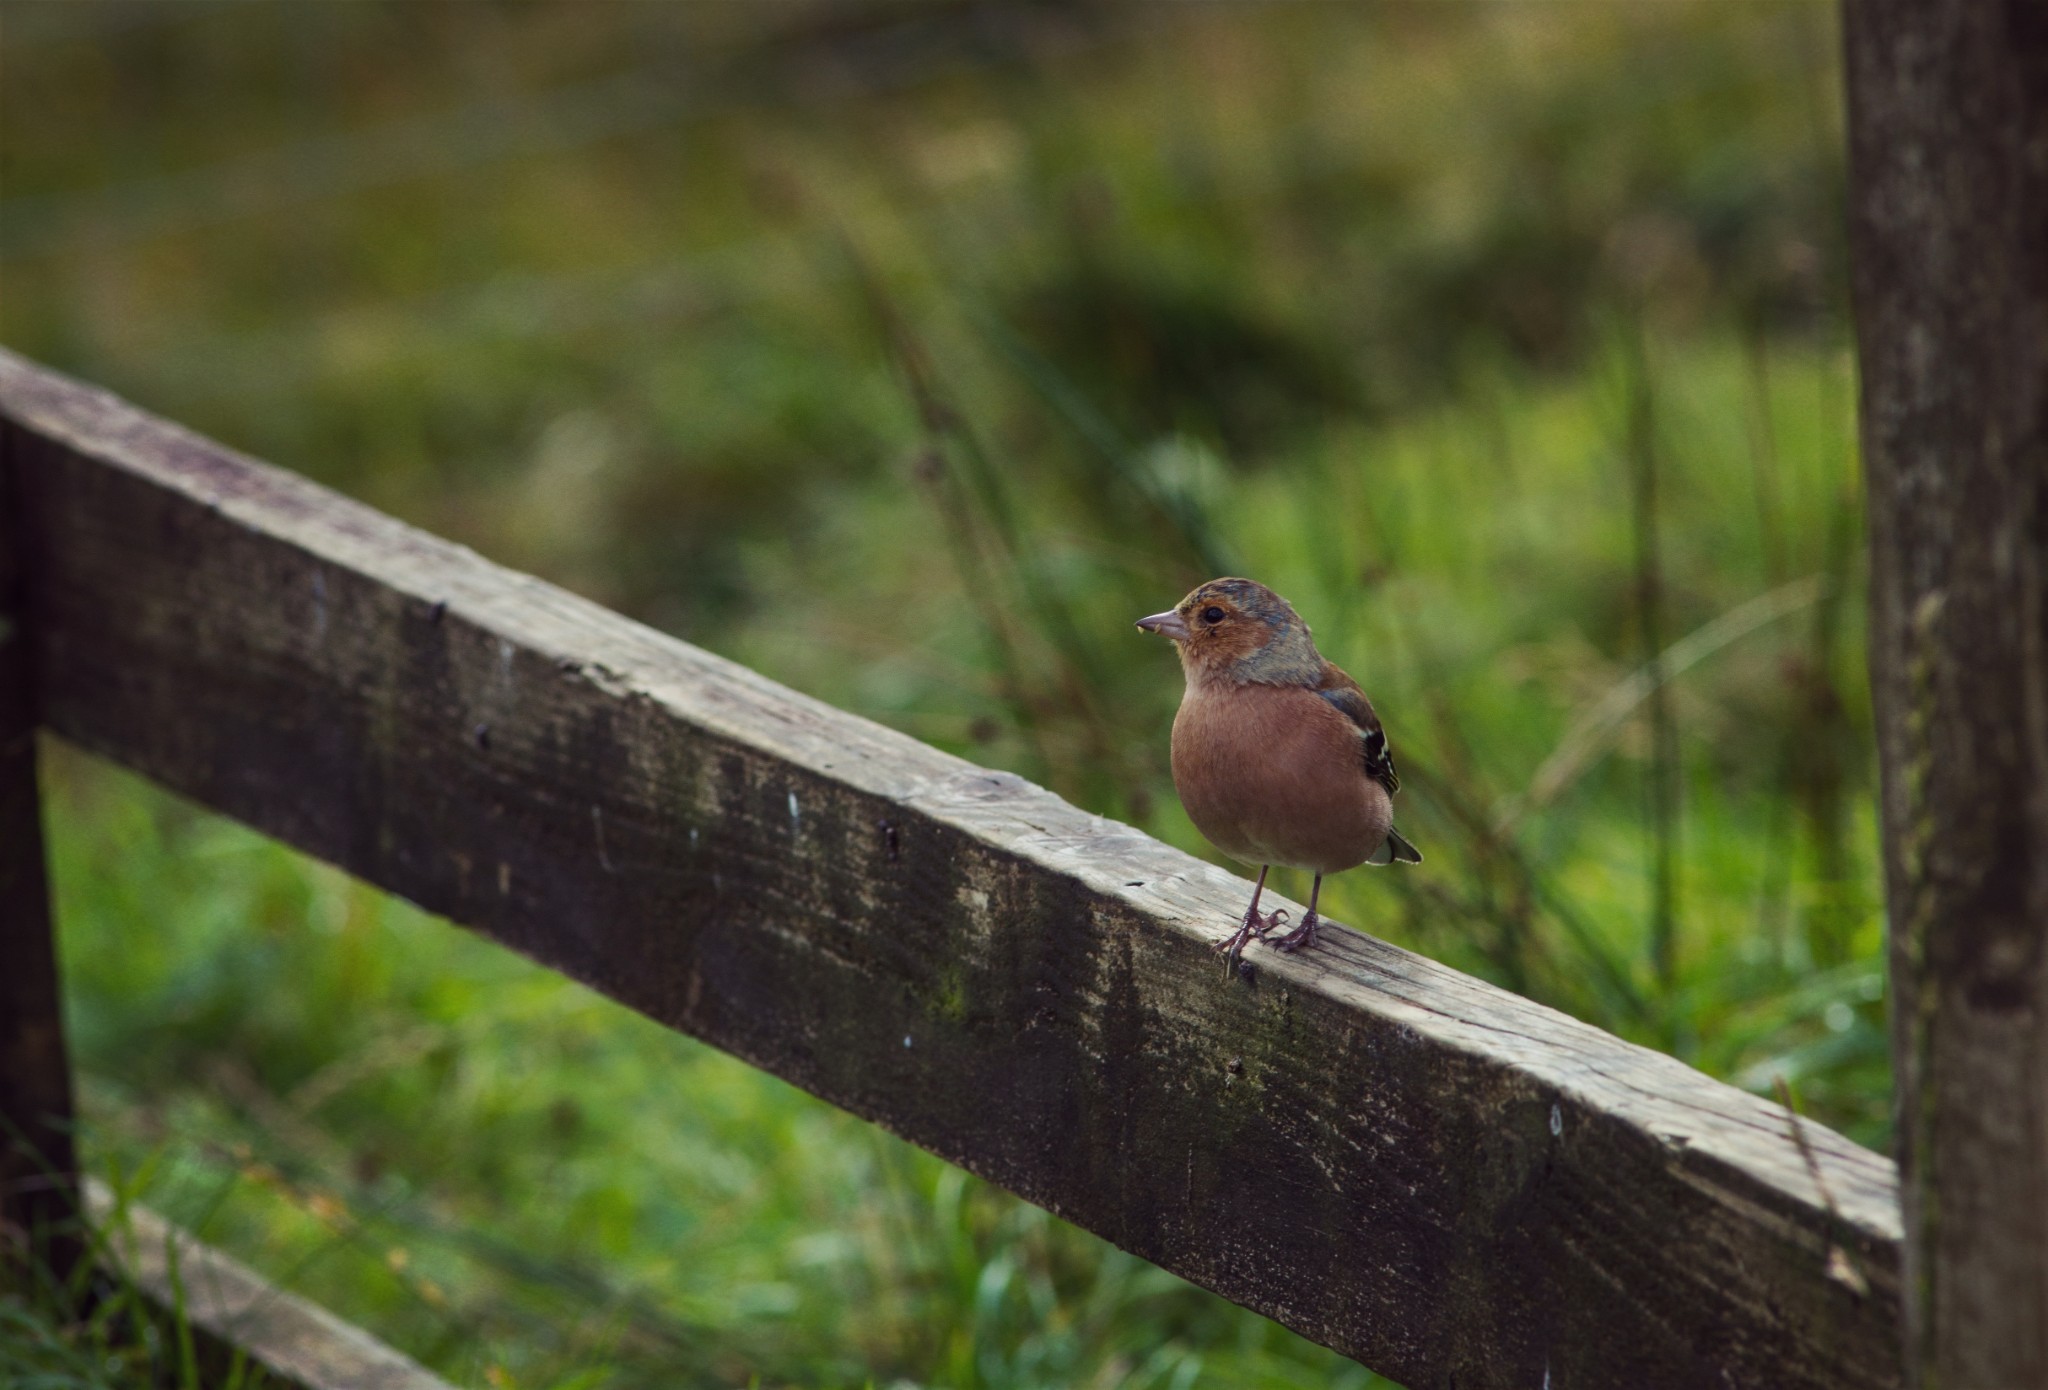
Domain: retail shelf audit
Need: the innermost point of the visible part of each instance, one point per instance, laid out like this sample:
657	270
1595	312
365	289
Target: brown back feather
1343	692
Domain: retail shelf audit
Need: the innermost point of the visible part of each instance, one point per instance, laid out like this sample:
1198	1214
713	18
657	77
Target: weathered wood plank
296	1339
1448	1182
38	1167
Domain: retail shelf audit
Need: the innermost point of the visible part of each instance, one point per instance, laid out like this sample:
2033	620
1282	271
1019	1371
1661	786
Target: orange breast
1275	775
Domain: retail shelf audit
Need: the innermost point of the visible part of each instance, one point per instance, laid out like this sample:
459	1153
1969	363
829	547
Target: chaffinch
1277	754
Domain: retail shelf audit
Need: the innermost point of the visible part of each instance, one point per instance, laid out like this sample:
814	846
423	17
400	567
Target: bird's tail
1396	850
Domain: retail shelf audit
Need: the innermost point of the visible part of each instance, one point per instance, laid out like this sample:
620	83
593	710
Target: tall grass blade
1189	519
1665	769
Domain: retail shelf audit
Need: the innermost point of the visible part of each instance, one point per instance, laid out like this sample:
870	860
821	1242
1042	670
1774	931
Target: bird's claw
1301	938
1253	928
1233	947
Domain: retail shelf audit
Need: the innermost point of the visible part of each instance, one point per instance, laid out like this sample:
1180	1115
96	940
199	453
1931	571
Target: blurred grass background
906	352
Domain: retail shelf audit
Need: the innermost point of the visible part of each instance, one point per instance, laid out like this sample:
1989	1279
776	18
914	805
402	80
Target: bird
1277	754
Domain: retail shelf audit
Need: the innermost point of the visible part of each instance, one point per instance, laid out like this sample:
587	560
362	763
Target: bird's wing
1343	692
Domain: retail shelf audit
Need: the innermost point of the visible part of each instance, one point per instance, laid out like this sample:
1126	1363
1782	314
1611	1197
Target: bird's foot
1254	928
1300	938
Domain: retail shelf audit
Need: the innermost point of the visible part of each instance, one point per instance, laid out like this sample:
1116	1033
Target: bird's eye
1212	614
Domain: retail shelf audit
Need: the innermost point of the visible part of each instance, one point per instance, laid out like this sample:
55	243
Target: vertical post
38	1167
1948	134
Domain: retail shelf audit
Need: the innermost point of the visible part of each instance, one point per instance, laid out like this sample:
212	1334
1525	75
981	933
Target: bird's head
1240	631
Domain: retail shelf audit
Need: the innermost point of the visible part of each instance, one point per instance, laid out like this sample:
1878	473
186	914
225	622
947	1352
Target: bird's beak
1168	624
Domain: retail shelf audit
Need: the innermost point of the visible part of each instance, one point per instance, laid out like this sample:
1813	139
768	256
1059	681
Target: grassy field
907	353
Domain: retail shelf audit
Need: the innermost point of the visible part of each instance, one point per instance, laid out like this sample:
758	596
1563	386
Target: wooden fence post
1948	133
38	1166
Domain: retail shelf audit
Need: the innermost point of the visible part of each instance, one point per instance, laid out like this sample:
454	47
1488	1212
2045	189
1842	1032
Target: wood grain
1454	1185
1948	106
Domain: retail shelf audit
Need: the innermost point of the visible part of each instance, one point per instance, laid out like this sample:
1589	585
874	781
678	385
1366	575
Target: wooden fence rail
1450	1183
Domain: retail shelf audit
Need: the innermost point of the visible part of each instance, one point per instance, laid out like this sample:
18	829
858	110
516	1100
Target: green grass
86	1325
907	360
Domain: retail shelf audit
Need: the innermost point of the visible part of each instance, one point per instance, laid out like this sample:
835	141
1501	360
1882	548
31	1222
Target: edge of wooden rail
291	1336
38	1161
1450	1183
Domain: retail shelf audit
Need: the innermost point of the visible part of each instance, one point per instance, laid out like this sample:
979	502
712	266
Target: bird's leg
1254	925
1305	934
